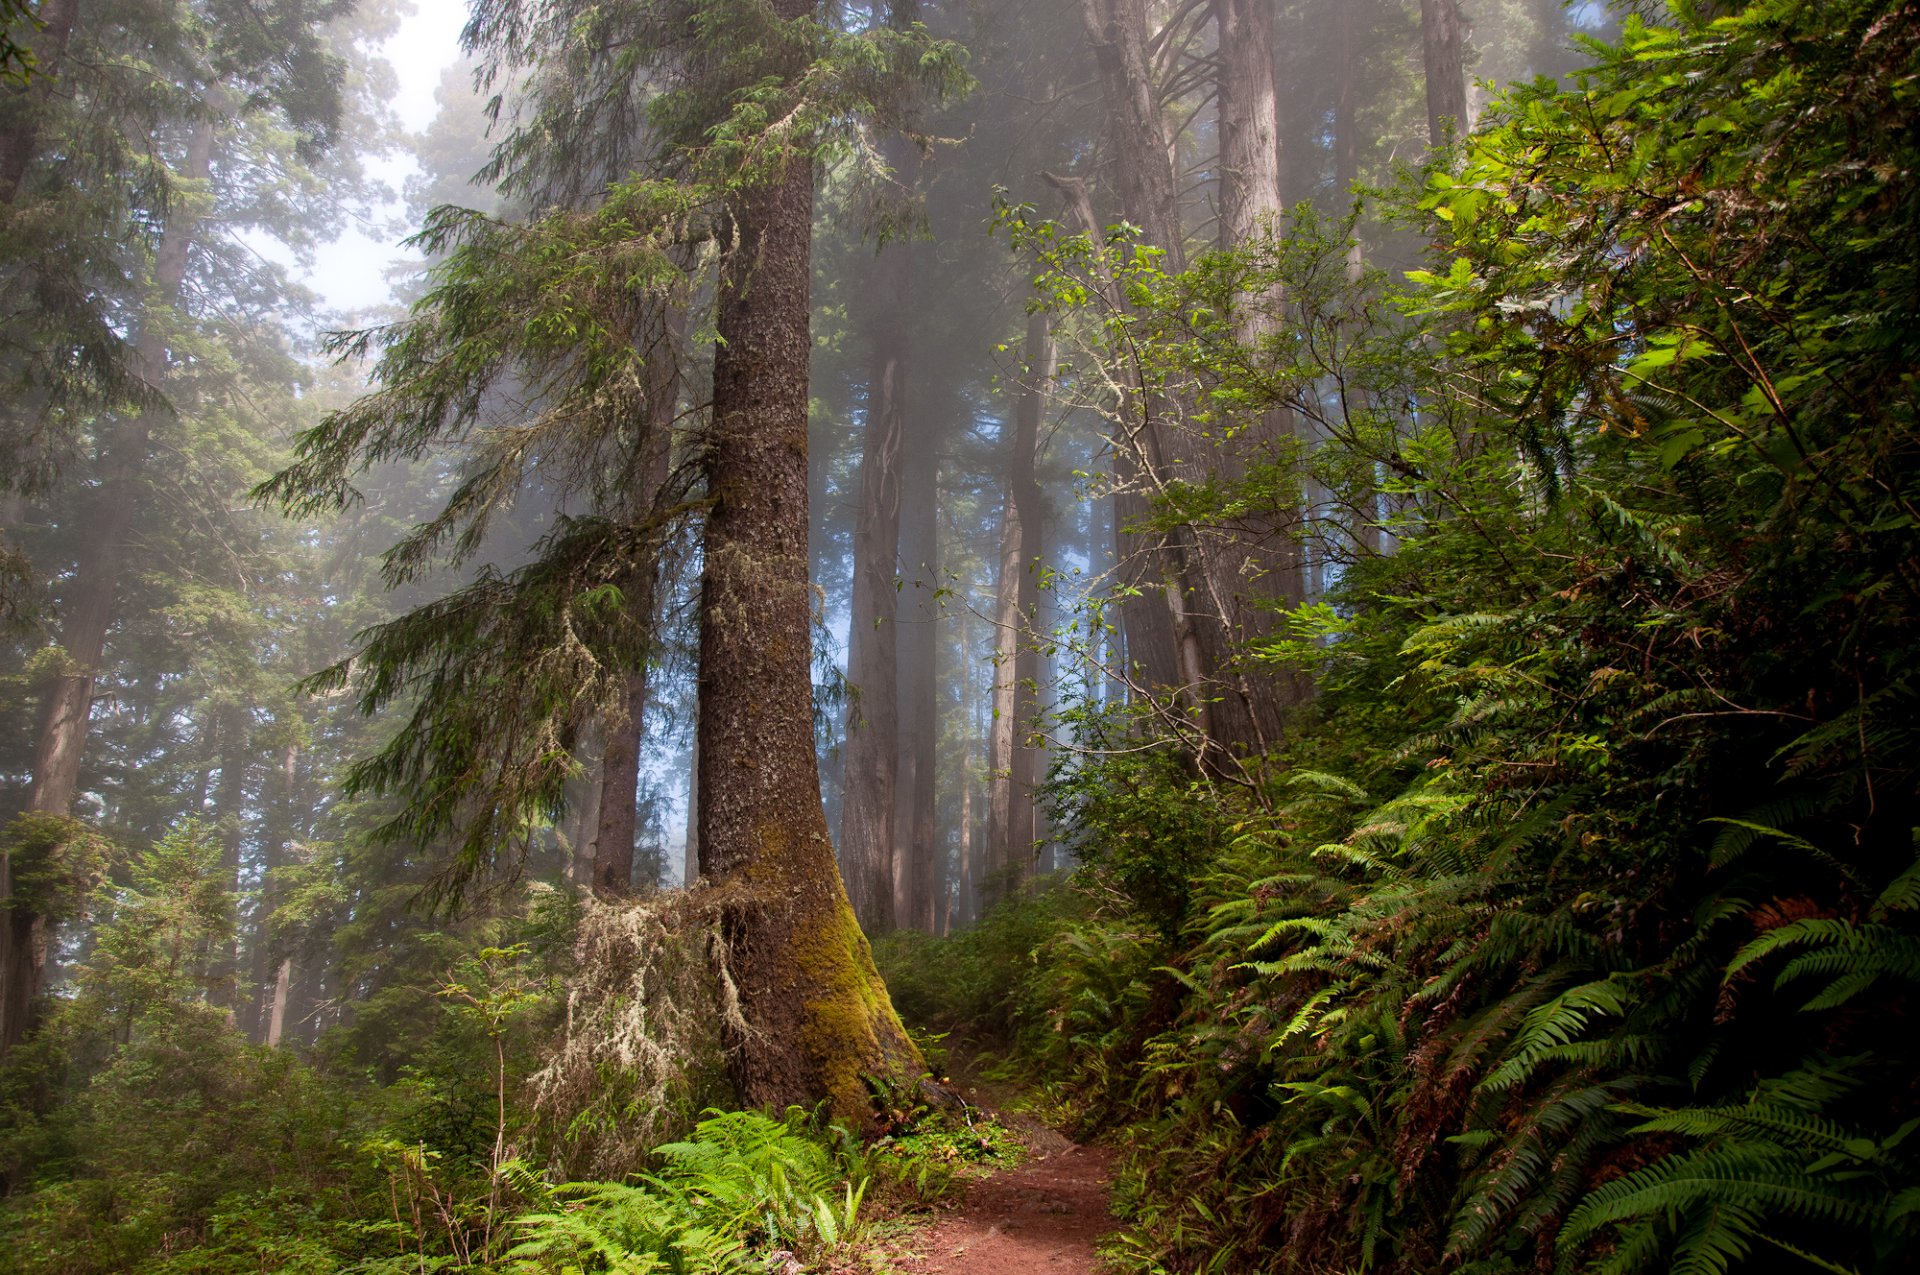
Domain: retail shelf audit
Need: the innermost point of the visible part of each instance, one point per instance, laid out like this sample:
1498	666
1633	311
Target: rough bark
1010	825
90	612
1443	44
618	806
1250	159
813	1018
1142	161
21	132
871	751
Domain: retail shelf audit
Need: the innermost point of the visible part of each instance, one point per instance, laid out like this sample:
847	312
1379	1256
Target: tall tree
867	835
556	302
919	616
1443	47
1010	760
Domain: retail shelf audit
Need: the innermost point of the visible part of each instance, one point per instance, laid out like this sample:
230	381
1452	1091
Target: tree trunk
871	751
62	734
1250	160
1443	45
21	133
916	823
1250	567
1142	161
229	805
813	1019
276	852
617	810
1016	663
282	993
690	870
1346	129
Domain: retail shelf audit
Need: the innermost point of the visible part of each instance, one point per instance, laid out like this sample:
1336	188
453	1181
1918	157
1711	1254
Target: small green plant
744	1185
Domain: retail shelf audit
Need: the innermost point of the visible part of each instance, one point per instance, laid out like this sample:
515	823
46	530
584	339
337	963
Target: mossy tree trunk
814	1019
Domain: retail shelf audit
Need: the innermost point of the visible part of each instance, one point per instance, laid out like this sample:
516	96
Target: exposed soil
1043	1216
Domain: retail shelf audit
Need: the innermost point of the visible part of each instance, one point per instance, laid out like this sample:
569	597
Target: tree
506	671
1010	757
1443	51
869	846
262	98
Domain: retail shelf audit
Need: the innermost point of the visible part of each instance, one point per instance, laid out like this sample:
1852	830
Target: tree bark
618	806
62	734
871	751
1443	46
1250	159
813	1018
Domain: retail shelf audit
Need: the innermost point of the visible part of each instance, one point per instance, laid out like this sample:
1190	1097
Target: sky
350	274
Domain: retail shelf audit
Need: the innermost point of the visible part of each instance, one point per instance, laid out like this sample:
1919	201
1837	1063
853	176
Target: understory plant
1575	925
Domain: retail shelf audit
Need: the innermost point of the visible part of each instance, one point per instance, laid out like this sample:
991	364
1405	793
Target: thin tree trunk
276	852
21	133
229	804
916	824
618	806
813	1018
62	733
871	751
282	993
1010	758
1443	46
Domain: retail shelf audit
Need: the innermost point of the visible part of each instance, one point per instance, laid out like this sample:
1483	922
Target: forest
935	636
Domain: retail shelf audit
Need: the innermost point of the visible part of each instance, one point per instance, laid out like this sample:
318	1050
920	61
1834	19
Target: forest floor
1045	1214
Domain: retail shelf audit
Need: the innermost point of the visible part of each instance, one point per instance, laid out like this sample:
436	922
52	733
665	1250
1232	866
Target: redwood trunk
1443	46
916	824
1250	161
1010	825
618	798
871	752
813	1016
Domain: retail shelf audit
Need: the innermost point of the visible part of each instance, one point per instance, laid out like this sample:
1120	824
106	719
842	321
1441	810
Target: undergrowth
1576	925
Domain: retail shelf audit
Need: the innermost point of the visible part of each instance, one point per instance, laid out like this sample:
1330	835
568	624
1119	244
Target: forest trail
1043	1216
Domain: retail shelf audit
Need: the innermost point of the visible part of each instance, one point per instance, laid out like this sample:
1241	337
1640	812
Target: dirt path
1043	1216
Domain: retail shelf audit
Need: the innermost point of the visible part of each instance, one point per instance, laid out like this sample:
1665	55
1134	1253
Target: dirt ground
1043	1216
